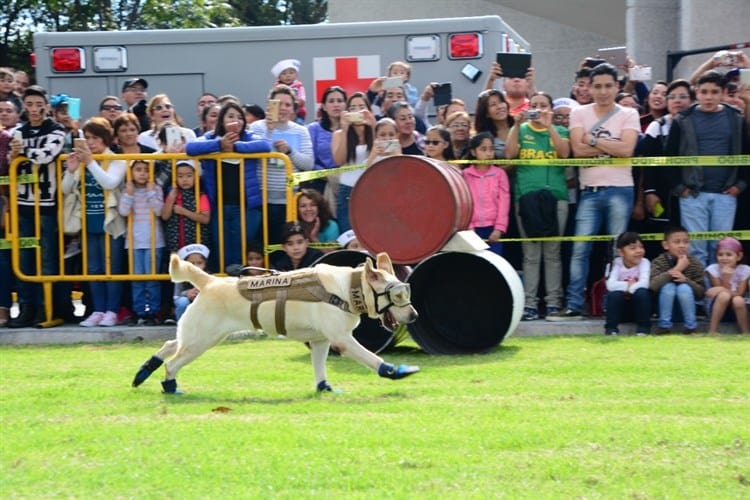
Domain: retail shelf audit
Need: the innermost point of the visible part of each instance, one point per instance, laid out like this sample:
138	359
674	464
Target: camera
355	116
533	114
725	58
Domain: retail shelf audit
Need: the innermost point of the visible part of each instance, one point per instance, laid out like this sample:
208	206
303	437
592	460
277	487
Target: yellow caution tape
22	243
20	179
702	236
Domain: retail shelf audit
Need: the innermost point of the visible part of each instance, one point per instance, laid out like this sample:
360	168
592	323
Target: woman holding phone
161	111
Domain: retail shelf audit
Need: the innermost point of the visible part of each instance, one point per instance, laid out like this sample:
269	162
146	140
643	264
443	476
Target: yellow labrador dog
319	305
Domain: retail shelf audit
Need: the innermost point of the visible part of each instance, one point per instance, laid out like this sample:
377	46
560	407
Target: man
392	96
708	195
206	99
581	92
134	96
42	142
10	115
21	79
601	129
516	90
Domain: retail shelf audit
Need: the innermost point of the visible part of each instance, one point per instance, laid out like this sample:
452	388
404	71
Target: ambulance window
465	46
68	60
422	48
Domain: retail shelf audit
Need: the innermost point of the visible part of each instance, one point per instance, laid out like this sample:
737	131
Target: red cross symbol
347	77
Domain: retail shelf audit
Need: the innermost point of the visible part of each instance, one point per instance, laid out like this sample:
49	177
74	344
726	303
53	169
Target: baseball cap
189	163
134	81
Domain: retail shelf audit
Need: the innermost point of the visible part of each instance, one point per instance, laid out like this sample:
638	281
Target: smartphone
79	143
616	56
233	127
389	145
593	62
355	116
174	136
745	76
18	135
514	65
471	72
392	82
640	73
443	94
273	109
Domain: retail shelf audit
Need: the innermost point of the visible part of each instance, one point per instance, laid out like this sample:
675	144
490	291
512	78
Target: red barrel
409	206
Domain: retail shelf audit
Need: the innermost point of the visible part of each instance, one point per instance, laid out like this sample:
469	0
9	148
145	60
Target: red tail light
68	60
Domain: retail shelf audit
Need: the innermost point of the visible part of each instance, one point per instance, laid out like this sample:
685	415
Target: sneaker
641	334
109	319
73	249
660	330
611	331
149	320
93	320
553	311
133	320
567	314
529	314
689	331
169	321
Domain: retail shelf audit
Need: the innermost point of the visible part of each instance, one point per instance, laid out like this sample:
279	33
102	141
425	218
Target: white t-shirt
584	117
741	273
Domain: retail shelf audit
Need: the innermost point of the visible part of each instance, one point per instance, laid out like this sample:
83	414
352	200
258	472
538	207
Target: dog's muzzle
395	294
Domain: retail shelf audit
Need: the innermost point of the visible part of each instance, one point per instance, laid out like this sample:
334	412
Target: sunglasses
111	107
433	143
159	107
459	125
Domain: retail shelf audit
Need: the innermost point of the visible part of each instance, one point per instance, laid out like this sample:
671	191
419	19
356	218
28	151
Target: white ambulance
186	63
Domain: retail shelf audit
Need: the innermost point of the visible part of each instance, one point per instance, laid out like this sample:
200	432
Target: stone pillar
651	30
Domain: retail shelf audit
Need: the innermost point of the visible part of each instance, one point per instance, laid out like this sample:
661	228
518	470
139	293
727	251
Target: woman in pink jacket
490	191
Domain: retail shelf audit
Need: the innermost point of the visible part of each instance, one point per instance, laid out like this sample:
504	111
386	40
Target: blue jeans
685	299
105	294
342	207
31	293
611	205
484	233
6	276
233	234
180	306
621	307
707	212
146	293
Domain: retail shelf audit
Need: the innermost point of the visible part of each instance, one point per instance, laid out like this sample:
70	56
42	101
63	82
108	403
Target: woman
459	127
656	104
540	139
161	111
492	115
127	128
314	214
103	188
351	144
230	136
209	117
321	132
403	114
110	108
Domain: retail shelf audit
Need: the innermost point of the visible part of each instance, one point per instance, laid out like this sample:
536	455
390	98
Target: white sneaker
93	320
109	319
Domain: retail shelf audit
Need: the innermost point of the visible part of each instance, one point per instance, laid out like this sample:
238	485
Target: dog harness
304	287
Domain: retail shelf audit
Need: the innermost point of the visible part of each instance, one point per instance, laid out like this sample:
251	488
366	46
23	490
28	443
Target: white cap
183	252
285	64
189	163
346	237
564	102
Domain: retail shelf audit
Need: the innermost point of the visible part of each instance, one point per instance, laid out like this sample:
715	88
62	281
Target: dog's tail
182	270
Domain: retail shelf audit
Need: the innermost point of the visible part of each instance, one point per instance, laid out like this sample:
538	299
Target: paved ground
73	334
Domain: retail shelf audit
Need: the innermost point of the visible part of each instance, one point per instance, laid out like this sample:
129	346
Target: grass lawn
540	417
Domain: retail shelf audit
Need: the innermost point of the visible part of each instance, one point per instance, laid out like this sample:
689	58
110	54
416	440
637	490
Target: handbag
72	209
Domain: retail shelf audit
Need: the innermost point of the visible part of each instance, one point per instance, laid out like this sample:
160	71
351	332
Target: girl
315	217
627	285
538	138
185	293
728	284
386	141
236	228
490	191
437	144
186	217
351	144
103	189
144	200
493	116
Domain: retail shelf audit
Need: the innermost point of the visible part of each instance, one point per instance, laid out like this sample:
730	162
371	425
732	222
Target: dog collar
357	294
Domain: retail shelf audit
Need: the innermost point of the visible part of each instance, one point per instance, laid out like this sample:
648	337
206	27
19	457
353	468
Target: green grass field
550	417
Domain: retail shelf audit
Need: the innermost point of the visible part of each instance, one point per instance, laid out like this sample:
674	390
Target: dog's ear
384	263
371	274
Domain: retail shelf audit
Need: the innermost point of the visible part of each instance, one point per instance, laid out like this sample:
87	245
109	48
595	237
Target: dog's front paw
146	370
324	386
387	370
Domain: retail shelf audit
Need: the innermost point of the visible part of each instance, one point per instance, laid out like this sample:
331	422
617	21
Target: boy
185	293
42	142
286	73
297	252
674	274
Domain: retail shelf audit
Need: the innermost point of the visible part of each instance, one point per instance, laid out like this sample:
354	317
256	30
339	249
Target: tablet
514	65
616	56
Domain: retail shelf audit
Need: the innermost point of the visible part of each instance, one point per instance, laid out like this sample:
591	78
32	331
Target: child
185	293
675	274
286	73
142	199
627	283
490	191
728	284
297	253
402	70
186	218
386	141
437	144
348	241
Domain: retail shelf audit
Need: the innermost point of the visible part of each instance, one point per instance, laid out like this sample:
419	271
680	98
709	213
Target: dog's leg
353	349
184	356
319	354
154	362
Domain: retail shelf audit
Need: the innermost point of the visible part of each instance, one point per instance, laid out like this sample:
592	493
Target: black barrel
369	332
468	302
